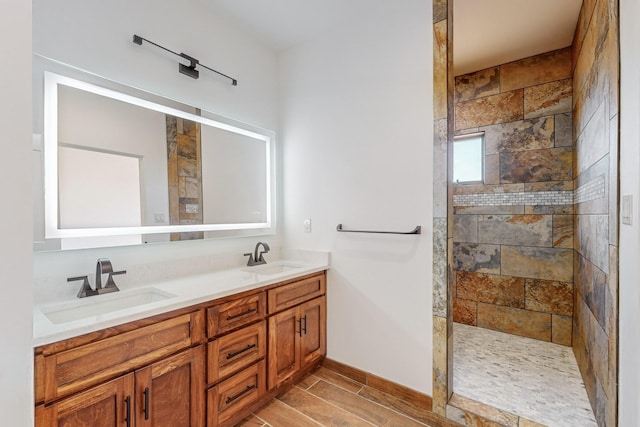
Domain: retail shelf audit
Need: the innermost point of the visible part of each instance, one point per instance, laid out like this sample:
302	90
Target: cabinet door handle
244	313
300	326
243	392
235	353
146	403
305	324
127	410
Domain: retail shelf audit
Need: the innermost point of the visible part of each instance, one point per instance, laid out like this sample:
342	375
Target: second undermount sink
102	304
269	270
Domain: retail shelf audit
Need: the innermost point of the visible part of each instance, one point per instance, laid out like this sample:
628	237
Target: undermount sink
268	270
102	304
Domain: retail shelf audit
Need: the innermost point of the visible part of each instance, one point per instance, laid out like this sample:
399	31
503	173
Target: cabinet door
313	342
107	405
171	392
284	346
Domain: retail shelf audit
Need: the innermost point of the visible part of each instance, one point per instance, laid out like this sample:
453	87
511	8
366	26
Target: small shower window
468	164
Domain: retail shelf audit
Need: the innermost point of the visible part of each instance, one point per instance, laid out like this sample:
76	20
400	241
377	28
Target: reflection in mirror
82	205
125	169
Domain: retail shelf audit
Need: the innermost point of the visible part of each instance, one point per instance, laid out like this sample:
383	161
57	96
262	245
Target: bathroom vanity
203	348
209	355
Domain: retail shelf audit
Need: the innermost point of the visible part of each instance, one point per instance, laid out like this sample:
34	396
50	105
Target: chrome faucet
257	258
103	266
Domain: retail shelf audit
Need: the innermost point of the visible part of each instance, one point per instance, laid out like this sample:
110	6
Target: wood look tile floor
326	398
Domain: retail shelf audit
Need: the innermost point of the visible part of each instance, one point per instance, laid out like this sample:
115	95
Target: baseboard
407	394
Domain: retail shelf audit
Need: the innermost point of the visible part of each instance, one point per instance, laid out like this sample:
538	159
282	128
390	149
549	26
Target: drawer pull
127	410
146	403
235	353
243	392
244	313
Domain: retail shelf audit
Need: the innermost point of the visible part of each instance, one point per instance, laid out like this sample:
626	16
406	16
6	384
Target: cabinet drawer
286	296
227	400
234	314
230	353
90	364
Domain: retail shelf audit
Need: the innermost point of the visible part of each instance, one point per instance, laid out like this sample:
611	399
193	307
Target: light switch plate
307	225
627	209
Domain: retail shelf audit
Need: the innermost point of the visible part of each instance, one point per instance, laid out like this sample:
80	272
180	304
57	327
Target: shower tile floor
537	380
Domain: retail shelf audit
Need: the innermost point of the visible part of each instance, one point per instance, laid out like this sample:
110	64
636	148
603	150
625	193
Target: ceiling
281	24
493	32
486	32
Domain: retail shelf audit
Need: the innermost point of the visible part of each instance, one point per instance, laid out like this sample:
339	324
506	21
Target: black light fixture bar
188	70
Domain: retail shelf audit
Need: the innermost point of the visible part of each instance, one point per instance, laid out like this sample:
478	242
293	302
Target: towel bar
416	230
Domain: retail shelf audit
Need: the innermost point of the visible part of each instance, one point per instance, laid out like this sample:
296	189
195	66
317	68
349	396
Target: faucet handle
110	283
85	289
251	261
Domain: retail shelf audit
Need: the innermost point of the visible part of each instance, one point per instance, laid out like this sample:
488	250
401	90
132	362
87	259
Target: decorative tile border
516	198
592	190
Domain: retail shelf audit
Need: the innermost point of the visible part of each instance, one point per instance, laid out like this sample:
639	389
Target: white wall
16	357
357	146
629	374
97	36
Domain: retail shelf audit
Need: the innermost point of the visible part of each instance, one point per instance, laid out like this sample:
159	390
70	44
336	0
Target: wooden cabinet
118	378
205	365
297	335
292	294
297	339
235	351
233	314
166	393
236	369
313	341
107	405
83	366
171	392
284	346
228	401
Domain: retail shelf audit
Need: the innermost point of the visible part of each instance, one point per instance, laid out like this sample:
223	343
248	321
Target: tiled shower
513	234
535	244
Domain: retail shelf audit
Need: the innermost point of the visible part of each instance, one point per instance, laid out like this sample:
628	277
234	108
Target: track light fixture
187	70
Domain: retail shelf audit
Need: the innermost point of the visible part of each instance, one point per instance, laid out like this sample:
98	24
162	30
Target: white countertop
180	293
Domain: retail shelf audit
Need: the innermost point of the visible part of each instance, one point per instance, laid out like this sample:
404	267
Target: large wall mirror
118	167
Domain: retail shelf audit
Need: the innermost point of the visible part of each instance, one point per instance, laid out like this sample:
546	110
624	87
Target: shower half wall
513	234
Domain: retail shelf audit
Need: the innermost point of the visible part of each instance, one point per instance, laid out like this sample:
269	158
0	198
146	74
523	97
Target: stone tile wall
184	162
595	110
442	212
513	235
